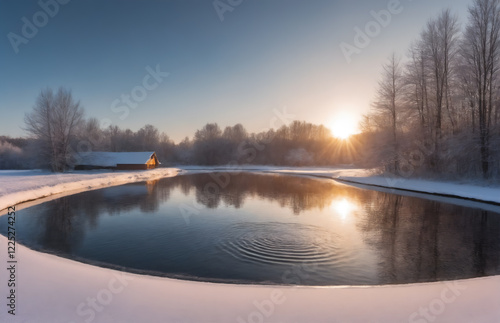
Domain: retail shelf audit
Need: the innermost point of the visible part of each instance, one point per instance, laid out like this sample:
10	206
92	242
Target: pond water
261	228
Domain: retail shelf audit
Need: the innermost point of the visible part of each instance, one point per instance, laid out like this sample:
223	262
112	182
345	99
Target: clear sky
264	55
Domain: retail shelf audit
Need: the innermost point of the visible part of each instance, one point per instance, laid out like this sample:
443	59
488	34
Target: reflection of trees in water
62	227
64	220
297	193
431	240
413	237
147	196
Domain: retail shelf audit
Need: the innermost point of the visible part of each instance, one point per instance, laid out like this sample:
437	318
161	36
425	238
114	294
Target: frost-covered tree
481	51
388	104
147	138
53	122
440	41
417	91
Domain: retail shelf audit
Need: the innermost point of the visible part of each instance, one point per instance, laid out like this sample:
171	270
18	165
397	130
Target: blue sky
264	55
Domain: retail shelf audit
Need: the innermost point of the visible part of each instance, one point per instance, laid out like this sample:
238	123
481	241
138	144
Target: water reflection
297	193
61	227
427	240
344	208
254	226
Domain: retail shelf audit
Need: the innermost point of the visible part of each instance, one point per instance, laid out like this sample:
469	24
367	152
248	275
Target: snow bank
22	186
490	194
53	289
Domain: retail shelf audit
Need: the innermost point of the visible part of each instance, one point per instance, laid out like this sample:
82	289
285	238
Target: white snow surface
22	186
478	191
112	159
54	289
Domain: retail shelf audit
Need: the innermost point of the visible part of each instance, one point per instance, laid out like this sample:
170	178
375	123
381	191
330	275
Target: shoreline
54	289
66	184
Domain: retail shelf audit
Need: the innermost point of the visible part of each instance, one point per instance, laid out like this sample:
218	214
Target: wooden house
118	161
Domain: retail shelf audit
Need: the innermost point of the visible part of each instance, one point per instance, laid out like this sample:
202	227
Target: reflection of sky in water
259	227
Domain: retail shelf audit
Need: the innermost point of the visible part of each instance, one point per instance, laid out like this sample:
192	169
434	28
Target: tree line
436	113
437	109
297	144
60	134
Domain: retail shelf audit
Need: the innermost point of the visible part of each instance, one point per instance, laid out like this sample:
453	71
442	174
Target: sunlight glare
343	207
343	128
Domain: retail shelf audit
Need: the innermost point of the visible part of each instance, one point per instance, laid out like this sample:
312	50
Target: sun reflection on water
343	208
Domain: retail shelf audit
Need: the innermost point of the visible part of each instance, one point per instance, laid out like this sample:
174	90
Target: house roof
111	159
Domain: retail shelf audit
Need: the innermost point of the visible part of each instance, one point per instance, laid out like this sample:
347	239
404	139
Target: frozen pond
274	229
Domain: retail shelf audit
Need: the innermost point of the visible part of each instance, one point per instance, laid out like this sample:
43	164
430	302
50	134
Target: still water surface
260	228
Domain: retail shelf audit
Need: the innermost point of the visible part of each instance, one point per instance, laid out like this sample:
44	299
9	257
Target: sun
343	128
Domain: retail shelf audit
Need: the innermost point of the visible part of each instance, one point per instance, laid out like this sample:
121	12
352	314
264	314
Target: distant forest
297	144
436	114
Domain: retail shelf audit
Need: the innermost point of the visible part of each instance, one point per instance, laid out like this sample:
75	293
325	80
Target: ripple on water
281	243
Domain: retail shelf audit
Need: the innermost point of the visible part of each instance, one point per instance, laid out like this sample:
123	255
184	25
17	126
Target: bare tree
236	133
148	138
440	41
482	54
53	122
91	132
416	79
210	131
389	96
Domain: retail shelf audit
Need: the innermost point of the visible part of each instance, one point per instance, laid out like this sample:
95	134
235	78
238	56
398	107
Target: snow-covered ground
53	289
476	192
18	186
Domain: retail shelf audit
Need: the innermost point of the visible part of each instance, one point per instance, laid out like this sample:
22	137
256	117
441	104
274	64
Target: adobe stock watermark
264	309
223	6
139	93
372	29
437	306
89	309
123	106
410	162
30	27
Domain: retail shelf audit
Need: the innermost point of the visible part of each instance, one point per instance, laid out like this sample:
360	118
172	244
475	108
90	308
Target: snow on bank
53	289
22	186
490	194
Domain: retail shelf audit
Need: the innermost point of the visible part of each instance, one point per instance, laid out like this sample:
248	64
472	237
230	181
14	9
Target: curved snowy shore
22	186
53	289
